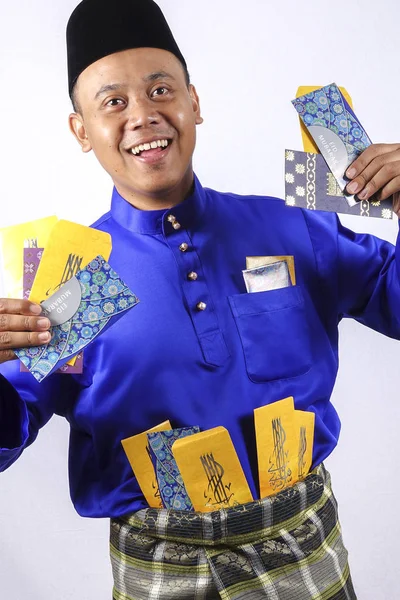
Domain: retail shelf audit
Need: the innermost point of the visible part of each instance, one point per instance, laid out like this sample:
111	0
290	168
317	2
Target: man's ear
78	129
196	104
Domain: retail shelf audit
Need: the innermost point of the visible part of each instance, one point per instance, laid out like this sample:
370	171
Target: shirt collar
151	221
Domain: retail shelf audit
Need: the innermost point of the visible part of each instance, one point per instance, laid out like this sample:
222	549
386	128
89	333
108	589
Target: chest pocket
274	333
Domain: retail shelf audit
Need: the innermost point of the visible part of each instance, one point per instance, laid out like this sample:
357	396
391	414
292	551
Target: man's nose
142	114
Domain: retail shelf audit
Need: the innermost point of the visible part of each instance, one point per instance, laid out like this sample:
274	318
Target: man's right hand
21	324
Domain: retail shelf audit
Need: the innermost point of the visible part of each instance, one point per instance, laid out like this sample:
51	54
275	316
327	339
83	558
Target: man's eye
161	91
114	102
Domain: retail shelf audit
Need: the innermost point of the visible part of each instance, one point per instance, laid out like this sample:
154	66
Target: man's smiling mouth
157	145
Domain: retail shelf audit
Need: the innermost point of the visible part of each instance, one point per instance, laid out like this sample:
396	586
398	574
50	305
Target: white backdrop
247	60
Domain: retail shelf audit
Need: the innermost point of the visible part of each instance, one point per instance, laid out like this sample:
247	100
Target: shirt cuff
14	423
397	253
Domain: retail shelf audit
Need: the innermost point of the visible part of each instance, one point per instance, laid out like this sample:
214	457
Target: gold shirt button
171	219
201	306
192	276
183	247
176	225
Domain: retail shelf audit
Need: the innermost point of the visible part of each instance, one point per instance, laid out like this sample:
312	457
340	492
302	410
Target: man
198	350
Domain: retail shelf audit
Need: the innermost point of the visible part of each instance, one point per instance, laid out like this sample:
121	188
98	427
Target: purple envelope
310	184
32	258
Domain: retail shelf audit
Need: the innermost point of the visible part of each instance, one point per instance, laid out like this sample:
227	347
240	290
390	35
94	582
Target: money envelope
32	258
284	439
273	276
81	309
310	184
308	143
211	470
13	240
70	246
172	489
254	262
304	427
138	452
337	132
31	262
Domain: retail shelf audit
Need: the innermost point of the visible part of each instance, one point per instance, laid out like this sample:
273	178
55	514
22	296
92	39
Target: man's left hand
376	172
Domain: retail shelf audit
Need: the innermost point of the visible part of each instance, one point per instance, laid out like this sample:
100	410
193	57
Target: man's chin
156	191
157	187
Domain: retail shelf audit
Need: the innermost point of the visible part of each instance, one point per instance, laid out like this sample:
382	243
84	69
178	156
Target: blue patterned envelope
310	184
335	129
172	489
81	309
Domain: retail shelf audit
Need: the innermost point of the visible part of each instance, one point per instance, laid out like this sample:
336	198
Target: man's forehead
139	65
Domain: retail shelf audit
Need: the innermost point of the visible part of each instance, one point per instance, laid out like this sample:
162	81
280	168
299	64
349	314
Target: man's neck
164	199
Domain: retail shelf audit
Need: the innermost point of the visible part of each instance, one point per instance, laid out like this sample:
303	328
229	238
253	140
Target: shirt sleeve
26	406
364	273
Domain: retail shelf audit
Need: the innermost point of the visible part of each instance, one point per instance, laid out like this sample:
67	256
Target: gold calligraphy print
72	266
302	452
281	474
154	483
218	492
31	243
211	470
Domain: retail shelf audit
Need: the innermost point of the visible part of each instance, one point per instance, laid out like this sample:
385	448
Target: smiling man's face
139	116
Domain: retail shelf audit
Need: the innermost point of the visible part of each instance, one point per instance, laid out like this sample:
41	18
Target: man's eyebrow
111	87
158	75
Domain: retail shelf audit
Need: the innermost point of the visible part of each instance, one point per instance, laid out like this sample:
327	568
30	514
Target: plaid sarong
284	547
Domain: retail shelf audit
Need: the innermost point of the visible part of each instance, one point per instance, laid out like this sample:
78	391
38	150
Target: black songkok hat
98	28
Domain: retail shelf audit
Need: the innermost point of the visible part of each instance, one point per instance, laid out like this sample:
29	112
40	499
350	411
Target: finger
389	172
19	307
368	156
355	186
396	203
391	189
13	340
23	323
6	355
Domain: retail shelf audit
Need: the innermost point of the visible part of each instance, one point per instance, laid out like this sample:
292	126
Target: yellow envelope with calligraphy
308	143
13	240
284	439
136	449
70	248
305	423
277	446
211	470
254	262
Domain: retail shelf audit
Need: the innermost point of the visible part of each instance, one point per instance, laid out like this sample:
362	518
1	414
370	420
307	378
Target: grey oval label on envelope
333	150
62	305
335	153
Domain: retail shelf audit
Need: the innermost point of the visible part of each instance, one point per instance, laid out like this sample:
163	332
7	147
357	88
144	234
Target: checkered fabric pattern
285	547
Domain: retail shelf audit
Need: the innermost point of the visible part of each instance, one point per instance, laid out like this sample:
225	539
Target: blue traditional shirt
168	359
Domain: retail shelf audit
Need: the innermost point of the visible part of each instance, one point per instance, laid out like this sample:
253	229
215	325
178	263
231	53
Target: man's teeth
149	146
